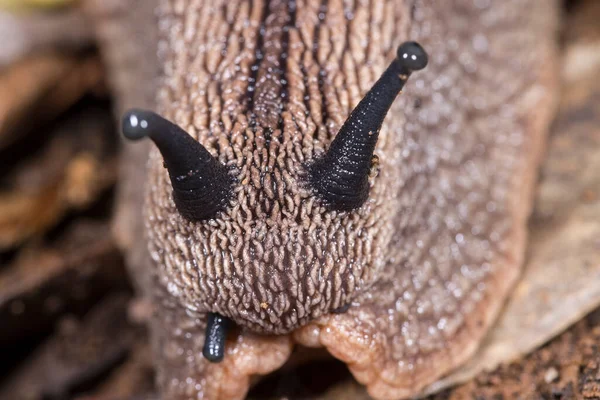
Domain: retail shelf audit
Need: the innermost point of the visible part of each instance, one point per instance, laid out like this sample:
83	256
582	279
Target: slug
289	197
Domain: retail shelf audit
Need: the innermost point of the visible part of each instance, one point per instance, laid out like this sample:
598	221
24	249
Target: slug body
419	253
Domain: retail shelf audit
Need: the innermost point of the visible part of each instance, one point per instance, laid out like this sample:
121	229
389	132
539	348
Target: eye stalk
201	184
341	176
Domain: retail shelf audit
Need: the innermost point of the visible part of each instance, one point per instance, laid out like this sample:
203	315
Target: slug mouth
219	327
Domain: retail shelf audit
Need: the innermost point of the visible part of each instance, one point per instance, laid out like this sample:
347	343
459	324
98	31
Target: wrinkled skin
425	263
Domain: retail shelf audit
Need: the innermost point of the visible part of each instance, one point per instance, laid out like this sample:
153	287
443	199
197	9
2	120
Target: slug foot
396	353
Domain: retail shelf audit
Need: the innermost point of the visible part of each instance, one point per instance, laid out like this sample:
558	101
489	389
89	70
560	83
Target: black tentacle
214	340
201	184
341	175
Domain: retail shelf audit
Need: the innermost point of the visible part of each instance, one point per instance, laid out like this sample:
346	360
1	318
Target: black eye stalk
201	184
341	176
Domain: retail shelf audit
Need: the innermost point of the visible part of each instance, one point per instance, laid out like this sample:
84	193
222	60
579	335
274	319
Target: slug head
268	225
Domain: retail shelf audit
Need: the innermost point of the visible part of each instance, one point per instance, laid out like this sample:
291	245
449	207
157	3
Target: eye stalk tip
412	56
135	124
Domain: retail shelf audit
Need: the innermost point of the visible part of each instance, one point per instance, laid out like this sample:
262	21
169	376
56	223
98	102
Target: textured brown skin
426	263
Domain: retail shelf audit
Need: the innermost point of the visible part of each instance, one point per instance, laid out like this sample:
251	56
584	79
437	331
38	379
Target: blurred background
70	326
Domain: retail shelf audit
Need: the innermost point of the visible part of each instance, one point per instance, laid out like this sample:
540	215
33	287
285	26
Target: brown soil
566	368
